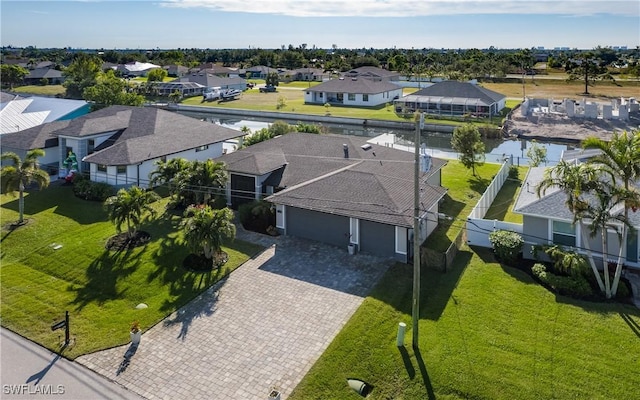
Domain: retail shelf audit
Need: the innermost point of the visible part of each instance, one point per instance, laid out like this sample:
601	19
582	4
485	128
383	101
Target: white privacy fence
478	228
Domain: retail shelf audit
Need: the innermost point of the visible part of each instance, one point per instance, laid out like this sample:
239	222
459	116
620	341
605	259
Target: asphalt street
29	371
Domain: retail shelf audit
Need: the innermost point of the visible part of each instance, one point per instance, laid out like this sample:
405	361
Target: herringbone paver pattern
263	327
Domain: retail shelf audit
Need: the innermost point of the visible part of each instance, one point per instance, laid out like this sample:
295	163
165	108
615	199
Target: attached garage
327	228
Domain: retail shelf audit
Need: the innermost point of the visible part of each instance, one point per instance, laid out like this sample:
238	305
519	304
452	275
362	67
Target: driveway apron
263	327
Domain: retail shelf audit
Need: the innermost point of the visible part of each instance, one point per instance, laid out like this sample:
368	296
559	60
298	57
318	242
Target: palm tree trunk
621	251
592	262
21	204
605	261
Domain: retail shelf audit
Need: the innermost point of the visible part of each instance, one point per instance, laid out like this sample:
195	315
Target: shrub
514	172
506	245
540	271
574	286
256	216
93	191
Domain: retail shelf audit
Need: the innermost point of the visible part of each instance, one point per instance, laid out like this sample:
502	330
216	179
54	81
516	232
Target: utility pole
415	310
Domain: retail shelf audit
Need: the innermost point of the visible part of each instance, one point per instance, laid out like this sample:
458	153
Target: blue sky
166	24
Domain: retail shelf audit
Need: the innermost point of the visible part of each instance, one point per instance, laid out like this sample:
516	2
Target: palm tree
603	214
166	172
206	228
199	180
574	180
621	159
130	206
21	174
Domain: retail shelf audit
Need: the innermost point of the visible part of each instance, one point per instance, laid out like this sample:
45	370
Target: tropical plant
129	207
20	174
200	180
574	180
205	229
166	172
620	157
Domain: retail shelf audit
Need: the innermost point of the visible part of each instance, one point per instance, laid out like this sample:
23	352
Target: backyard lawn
100	289
486	332
463	192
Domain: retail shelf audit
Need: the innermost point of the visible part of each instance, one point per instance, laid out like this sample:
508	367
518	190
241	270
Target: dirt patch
562	128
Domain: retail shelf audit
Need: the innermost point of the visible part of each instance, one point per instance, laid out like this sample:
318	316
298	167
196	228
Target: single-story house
259	72
353	92
308	74
373	73
176	70
120	145
36	76
207	80
548	220
186	89
19	113
339	190
136	68
452	98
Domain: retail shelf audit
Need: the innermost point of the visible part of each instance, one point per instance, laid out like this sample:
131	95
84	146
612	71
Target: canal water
438	144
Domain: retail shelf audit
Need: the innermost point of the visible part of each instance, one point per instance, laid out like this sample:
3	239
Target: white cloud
413	8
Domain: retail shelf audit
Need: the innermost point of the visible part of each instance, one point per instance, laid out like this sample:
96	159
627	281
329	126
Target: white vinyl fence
478	228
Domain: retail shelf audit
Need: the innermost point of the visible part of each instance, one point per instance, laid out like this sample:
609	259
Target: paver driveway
263	327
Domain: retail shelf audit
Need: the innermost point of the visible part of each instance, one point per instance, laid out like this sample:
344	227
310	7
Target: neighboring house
35	77
339	190
373	73
353	92
136	69
259	72
120	145
452	98
186	89
207	80
548	220
176	71
214	69
308	75
20	113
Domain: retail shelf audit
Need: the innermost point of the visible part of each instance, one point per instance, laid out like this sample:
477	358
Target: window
202	148
102	168
163	159
365	97
121	169
352	97
320	95
564	233
91	144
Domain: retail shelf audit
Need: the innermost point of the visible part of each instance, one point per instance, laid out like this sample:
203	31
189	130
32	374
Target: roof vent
365	146
345	148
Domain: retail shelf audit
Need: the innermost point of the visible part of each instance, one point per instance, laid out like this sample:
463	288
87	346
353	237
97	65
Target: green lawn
49	90
502	206
464	191
99	288
486	332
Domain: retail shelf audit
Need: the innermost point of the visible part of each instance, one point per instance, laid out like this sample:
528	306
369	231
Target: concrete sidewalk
261	328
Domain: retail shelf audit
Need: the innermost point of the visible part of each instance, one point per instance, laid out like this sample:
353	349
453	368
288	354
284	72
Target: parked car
267	89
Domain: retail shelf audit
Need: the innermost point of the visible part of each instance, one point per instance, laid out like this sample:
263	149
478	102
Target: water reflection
438	144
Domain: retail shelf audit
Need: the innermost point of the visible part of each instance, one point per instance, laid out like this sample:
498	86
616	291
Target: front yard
486	332
100	289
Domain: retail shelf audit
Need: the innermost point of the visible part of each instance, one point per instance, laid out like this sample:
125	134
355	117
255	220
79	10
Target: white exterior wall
374	99
138	174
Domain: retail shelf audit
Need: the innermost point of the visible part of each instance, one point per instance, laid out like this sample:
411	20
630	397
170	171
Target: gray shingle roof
145	133
314	174
455	89
38	137
354	85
